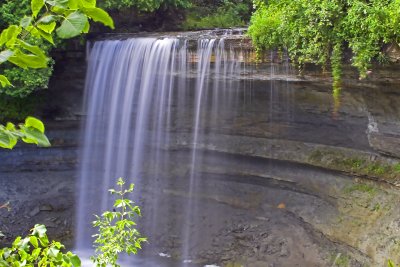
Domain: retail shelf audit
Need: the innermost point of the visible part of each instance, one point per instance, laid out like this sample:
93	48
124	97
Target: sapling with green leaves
117	231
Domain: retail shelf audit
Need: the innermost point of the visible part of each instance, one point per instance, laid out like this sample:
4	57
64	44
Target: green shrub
16	109
37	250
318	31
144	5
26	81
11	11
229	14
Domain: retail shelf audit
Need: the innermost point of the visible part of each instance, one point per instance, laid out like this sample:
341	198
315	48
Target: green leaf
44	241
10	126
120	181
75	260
4	81
47	36
87	28
9	36
39	230
36	6
59	10
53	252
5	55
34	136
36	252
48	28
73	4
25	22
23	244
99	15
34	123
34	241
47	19
58	3
7	140
16	241
88	3
28	60
72	26
36	50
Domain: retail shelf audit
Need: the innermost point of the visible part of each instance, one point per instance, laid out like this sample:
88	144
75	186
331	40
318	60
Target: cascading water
143	97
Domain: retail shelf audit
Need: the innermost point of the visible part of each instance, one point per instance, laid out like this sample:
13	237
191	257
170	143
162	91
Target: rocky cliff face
300	161
276	105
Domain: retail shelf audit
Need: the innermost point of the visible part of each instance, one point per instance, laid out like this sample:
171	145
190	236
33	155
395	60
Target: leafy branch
31	132
64	18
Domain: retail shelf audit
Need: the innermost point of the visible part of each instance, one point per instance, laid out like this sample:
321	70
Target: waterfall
142	96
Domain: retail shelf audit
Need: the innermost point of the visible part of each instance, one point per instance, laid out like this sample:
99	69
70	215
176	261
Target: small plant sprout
117	231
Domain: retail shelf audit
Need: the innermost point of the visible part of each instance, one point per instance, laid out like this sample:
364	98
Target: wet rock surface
41	197
279	214
259	213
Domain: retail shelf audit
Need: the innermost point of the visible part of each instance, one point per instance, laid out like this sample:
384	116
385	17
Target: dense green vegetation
144	5
36	250
320	31
18	108
223	14
24	81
